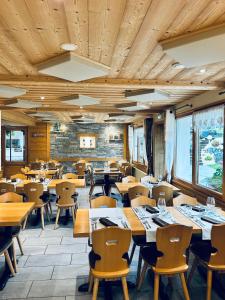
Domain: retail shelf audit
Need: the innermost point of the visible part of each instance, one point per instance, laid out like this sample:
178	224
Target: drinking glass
160	178
161	204
210	202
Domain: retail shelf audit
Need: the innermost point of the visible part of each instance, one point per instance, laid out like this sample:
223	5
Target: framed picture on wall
87	141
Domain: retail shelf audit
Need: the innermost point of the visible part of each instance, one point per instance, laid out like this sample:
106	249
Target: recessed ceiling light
42	97
178	66
81	107
68	47
83	117
202	71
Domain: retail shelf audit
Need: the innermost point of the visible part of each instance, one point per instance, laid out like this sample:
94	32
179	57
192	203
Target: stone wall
109	141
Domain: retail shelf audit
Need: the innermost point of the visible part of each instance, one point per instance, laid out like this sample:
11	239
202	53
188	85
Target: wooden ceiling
123	34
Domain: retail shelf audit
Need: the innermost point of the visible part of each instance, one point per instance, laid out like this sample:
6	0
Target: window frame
14	128
135	142
194	184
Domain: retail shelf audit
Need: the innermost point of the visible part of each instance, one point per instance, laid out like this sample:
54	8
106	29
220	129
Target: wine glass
210	203
160	178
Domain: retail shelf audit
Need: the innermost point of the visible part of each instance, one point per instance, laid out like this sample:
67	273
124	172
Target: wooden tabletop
12	214
44	172
123	187
81	227
101	171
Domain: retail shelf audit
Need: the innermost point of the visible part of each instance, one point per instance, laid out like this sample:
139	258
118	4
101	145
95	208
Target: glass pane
7	145
17	145
210	150
139	144
183	166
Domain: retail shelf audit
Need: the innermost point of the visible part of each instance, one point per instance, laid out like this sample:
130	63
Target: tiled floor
55	264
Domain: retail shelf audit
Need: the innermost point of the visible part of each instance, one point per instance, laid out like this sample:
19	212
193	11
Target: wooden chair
5	243
128	171
167	256
6	187
80	169
97	180
137	191
210	255
184	199
111	244
25	170
65	191
35	166
129	179
12	197
51	165
114	165
103	201
69	176
81	161
34	191
18	176
156	190
140	240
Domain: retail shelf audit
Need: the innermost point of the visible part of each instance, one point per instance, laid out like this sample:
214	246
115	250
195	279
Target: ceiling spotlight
159	116
81	107
83	117
42	98
178	66
68	47
202	71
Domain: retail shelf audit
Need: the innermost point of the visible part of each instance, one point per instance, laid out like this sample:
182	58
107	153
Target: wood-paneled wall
39	142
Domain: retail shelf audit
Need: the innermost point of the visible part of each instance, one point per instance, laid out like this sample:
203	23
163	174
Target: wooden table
82	229
44	173
107	173
124	187
12	214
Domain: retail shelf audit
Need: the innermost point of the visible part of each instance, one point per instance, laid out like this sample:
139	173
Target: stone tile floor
55	264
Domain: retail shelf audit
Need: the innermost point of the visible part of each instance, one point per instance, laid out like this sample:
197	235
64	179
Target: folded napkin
151	209
160	222
106	222
198	209
210	220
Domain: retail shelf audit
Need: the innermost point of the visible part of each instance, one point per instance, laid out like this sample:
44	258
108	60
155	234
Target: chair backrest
149	178
82	161
80	169
65	191
129	179
217	259
51	165
137	191
111	244
172	241
18	176
128	171
142	200
34	191
35	166
156	190
11	197
184	199
25	170
125	164
6	187
103	201
114	165
69	176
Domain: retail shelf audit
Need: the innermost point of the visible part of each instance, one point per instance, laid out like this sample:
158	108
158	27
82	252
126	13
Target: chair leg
156	286
57	217
184	286
20	245
91	281
42	218
95	290
132	252
125	289
9	262
209	284
139	266
25	223
50	207
14	257
142	277
73	214
47	212
193	268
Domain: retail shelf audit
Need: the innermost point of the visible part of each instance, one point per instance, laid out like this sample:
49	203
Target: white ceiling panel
11	92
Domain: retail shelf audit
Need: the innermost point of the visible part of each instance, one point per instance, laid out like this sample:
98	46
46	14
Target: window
183	163
209	128
15	145
139	144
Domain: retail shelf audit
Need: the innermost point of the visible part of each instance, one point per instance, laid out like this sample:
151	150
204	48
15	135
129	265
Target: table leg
107	184
6	273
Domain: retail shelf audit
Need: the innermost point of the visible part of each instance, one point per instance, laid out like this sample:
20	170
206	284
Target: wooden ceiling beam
29	81
18	118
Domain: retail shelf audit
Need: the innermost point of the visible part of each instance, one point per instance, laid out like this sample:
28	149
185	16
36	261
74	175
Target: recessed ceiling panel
146	95
198	49
81	100
10	91
25	104
72	67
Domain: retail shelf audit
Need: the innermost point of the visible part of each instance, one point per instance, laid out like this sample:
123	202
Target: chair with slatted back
167	257
137	191
18	176
140	241
129	179
69	176
111	246
103	201
12	197
65	191
6	187
211	255
156	190
35	166
34	191
184	199
80	169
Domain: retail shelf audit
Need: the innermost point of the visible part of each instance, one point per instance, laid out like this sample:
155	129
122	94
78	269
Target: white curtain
144	146
170	140
209	118
131	141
